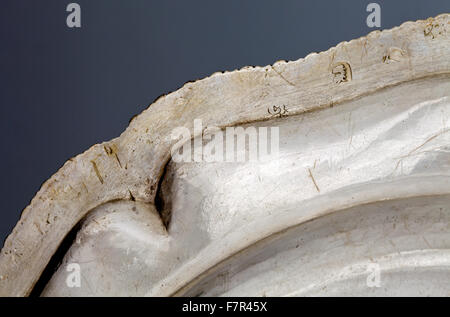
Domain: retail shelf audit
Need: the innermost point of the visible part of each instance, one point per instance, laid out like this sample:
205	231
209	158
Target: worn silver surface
357	198
357	190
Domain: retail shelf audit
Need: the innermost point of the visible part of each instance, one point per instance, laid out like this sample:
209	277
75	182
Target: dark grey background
63	90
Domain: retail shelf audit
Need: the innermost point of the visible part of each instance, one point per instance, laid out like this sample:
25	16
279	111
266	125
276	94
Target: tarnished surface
363	186
392	153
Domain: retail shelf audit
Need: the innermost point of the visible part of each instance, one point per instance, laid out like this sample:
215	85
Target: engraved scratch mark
282	77
426	242
395	247
118	161
429	139
131	196
39	228
394	54
313	180
99	176
364	50
420	146
350	128
112	150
